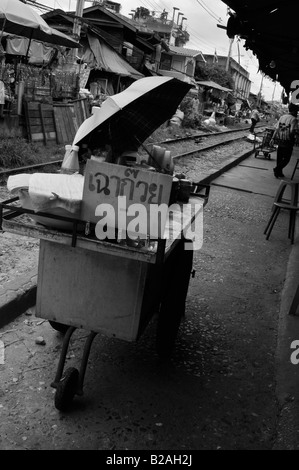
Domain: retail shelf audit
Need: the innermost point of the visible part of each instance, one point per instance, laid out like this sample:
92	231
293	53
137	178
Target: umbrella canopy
20	19
125	120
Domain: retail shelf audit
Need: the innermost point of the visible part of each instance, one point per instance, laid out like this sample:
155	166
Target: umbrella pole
26	57
2	30
148	152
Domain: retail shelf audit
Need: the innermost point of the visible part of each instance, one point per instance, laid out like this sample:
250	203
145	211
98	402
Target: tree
141	12
214	73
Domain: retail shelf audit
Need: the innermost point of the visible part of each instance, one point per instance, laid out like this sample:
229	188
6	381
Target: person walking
255	118
284	136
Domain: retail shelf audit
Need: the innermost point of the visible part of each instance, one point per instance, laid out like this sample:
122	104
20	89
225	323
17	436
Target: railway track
191	145
180	147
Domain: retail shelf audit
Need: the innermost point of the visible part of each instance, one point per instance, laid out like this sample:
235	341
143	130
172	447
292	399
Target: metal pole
259	101
273	93
77	26
229	53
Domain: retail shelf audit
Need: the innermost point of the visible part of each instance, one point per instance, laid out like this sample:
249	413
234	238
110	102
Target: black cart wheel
66	389
172	309
59	326
167	329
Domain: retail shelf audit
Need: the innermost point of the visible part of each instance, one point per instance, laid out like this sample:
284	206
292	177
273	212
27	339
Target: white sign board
126	199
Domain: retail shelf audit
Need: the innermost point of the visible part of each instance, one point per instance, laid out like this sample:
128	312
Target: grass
16	152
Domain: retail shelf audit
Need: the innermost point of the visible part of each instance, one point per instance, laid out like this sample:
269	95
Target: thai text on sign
105	183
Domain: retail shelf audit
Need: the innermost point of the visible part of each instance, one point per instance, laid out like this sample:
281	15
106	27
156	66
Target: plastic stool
294	186
295	168
292	220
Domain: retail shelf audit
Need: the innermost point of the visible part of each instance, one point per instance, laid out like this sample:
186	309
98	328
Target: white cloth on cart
49	191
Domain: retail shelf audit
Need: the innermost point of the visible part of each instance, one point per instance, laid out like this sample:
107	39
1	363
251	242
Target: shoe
278	174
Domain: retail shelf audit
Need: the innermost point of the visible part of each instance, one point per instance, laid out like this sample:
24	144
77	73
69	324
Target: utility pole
259	101
171	39
273	93
77	26
229	54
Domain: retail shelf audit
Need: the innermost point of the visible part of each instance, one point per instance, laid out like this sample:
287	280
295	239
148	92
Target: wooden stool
295	168
292	220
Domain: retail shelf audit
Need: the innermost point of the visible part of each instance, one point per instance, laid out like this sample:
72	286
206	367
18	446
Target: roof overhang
211	84
270	30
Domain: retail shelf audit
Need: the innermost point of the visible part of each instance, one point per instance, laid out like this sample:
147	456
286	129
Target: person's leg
253	123
286	157
283	157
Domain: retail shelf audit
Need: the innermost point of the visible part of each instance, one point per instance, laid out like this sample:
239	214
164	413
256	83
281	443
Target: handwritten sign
125	198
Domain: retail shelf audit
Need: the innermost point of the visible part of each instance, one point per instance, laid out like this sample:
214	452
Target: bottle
68	148
168	164
70	164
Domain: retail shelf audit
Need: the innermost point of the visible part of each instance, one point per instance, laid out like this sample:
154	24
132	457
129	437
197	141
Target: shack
213	98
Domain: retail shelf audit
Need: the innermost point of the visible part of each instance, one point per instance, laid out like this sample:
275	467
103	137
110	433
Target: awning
270	30
211	84
38	51
109	60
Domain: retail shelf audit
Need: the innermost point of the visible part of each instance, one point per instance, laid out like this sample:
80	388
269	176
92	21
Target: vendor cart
79	275
265	148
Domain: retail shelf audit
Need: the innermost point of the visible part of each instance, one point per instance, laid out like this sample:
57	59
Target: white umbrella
20	19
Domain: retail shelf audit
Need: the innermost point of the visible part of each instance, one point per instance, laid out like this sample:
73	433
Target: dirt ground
18	254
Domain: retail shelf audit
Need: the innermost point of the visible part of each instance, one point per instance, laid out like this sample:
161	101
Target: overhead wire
39	5
213	15
212	12
147	3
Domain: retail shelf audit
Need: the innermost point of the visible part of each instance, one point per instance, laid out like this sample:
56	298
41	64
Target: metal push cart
79	275
265	147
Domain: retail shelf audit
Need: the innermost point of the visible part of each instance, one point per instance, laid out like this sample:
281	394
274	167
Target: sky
205	36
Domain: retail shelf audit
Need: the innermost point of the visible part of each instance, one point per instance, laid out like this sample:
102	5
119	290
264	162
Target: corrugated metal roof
108	59
184	51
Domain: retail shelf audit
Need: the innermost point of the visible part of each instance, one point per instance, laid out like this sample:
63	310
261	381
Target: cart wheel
167	330
172	308
59	326
66	389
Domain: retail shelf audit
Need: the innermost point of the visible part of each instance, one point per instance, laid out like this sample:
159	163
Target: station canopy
270	30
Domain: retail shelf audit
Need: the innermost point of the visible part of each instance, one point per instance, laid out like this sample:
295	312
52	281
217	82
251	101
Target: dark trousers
253	124
283	157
